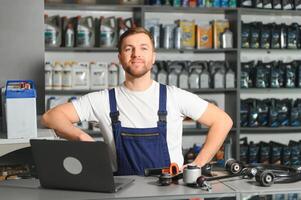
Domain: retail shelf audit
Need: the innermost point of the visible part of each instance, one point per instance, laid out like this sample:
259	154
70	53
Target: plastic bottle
81	76
183	78
205	78
48	76
67	76
113	75
194	79
230	78
98	75
121	74
69	36
219	79
154	71
173	78
57	76
162	76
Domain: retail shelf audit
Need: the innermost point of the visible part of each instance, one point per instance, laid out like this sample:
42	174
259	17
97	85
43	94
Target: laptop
75	165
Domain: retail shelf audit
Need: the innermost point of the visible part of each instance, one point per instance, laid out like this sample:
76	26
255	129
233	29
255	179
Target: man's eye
144	48
128	49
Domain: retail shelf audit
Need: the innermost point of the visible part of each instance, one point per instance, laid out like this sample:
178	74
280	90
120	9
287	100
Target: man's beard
135	73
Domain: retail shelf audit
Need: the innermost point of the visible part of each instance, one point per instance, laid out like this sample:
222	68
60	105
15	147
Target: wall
22	43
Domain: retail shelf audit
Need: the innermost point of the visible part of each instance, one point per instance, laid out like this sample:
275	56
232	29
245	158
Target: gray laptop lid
75	165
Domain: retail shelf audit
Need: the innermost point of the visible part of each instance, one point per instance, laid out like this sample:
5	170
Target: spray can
167	37
155	31
227	39
177	37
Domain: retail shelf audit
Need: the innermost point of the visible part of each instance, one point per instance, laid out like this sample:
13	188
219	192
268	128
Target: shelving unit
231	97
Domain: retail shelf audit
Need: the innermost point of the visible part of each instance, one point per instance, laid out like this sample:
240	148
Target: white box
20	109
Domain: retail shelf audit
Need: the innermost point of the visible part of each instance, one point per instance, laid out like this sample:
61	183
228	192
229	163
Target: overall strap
114	113
162	113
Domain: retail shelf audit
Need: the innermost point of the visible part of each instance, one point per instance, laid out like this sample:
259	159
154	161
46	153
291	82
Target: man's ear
119	57
154	57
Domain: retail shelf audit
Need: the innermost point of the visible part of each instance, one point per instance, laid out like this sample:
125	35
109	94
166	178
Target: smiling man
141	119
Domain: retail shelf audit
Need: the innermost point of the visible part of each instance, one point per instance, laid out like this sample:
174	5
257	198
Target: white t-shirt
139	110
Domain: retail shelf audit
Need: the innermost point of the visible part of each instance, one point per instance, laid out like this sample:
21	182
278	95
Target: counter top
43	133
141	188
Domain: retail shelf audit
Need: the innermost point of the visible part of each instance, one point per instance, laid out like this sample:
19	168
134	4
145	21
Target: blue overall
140	148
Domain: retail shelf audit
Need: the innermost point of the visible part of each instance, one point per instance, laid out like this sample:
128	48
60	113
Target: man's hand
193	164
86	137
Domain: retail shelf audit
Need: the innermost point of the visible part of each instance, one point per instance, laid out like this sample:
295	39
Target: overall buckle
114	116
162	116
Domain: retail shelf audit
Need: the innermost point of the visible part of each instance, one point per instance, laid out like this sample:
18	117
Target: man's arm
219	124
61	119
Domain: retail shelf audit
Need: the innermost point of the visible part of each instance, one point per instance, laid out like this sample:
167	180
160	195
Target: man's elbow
228	121
45	119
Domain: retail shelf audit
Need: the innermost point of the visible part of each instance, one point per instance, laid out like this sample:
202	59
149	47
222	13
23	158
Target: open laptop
75	165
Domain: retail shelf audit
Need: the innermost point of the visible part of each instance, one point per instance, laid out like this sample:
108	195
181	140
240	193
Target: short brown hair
133	31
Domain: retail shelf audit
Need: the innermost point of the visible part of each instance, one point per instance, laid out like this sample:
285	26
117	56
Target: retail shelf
270	90
212	90
88	7
80	49
232	50
260	130
249	50
150	8
68	92
112	49
81	92
199	131
254	11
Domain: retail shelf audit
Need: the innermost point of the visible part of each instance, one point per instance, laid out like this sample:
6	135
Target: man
141	119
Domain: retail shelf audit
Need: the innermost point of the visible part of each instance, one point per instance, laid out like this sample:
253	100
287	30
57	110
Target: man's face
137	56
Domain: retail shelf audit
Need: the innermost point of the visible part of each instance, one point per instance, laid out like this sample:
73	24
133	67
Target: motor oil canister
108	32
85	31
52	31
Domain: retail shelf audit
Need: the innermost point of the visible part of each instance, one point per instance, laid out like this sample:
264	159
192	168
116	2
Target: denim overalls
140	148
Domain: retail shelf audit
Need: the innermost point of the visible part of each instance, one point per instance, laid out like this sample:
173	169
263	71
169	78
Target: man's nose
136	53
